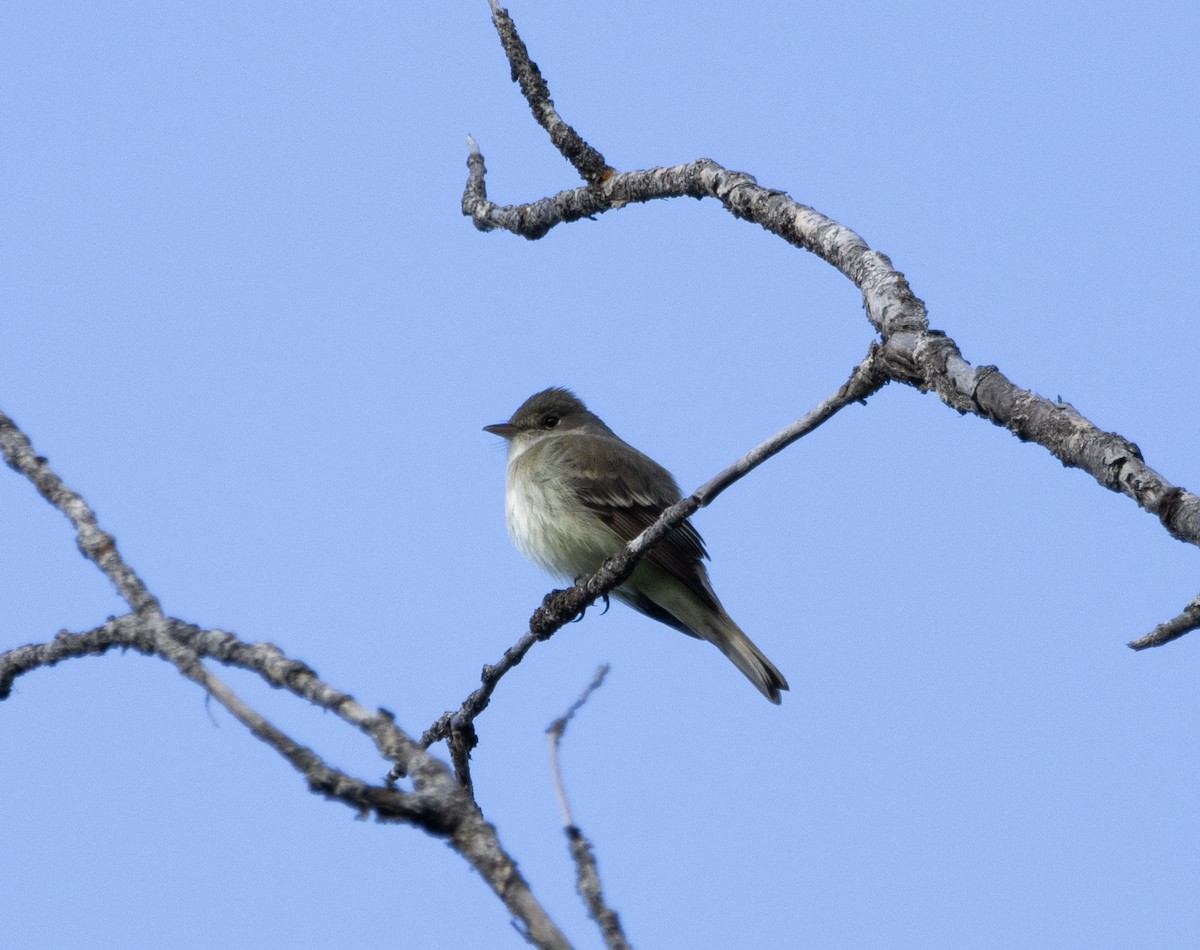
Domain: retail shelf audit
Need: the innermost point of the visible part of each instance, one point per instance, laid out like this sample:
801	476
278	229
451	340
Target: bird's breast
550	527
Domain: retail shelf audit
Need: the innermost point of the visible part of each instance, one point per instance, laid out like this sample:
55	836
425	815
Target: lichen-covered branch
586	160
910	352
96	545
1173	629
436	803
931	362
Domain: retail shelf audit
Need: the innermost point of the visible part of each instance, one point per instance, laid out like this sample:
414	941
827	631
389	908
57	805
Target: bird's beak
506	429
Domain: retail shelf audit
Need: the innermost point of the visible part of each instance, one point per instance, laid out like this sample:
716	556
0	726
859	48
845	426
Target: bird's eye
549	422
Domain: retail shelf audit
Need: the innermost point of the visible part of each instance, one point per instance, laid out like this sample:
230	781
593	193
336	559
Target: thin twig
587	873
865	380
561	606
557	729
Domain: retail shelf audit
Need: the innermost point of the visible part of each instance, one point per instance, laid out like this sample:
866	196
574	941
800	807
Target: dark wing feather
628	492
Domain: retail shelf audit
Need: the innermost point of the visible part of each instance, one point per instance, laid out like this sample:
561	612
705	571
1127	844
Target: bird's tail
661	595
729	639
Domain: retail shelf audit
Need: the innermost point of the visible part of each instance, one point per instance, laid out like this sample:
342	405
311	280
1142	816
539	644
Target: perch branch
912	353
561	606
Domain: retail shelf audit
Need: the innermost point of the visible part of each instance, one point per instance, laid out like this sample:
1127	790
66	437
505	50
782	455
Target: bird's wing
628	492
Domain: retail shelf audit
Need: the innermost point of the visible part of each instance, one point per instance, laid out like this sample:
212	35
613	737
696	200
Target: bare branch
587	874
865	380
559	607
124	632
911	352
586	160
1186	622
437	803
184	645
96	545
557	729
587	882
441	800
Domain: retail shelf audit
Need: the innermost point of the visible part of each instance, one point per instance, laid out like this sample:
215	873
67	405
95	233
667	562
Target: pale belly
552	530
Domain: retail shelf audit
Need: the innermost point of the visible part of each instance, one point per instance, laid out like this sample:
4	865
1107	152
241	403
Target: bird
576	494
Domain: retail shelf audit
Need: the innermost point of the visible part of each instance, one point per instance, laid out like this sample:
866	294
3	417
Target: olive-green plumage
576	493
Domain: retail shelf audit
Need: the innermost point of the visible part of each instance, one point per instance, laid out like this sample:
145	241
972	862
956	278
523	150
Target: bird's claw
607	604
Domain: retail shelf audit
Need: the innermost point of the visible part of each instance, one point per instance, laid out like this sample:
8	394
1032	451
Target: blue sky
244	317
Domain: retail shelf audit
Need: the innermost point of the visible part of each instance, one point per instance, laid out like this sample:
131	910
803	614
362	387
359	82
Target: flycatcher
577	494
